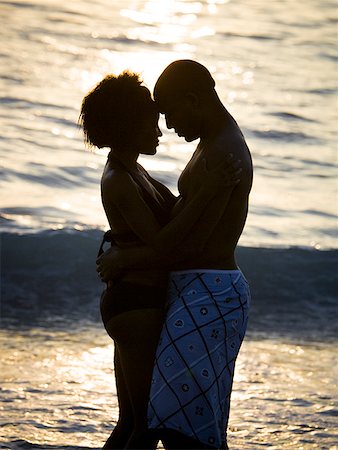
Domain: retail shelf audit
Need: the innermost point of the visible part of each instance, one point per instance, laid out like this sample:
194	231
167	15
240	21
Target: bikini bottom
124	296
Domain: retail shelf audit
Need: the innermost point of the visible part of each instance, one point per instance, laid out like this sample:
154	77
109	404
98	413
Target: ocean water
275	66
276	70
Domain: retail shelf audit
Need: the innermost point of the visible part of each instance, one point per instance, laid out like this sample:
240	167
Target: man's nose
159	132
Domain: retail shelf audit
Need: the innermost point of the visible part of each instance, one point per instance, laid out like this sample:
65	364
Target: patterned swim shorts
195	360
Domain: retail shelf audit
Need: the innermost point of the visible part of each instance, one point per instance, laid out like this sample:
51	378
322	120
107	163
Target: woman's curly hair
115	110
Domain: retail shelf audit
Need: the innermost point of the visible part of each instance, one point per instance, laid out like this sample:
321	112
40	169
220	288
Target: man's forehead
168	104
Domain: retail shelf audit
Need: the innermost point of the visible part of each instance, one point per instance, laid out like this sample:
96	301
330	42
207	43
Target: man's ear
193	99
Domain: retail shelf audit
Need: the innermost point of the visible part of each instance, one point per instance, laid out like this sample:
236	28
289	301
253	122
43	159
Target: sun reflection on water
283	391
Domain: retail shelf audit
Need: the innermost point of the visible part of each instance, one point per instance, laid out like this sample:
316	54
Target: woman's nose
159	132
168	123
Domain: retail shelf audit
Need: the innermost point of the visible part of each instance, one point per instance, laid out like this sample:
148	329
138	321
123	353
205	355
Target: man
208	296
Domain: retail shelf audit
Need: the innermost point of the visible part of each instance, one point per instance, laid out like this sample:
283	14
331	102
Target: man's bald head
183	76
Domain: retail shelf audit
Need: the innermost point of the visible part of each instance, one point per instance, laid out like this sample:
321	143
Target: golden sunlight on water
163	22
58	389
288	116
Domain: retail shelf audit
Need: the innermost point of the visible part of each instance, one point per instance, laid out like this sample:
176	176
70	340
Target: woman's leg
125	425
136	335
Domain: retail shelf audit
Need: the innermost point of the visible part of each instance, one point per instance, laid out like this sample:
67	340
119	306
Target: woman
120	114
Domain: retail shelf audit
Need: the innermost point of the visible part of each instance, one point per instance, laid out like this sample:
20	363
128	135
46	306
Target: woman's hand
108	265
226	175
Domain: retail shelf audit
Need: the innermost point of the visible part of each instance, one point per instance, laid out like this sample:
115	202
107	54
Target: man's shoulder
230	136
228	142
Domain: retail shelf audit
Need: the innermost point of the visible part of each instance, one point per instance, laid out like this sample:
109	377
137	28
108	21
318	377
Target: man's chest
191	178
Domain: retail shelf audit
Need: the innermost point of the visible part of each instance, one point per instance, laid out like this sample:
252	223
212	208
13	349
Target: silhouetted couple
173	286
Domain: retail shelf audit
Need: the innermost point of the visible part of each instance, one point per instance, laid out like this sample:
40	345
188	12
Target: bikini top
159	208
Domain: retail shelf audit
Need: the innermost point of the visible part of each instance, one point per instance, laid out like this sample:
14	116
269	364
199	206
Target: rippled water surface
64	394
275	67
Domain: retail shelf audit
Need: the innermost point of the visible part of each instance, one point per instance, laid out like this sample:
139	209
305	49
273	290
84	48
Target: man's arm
221	178
190	248
137	215
115	260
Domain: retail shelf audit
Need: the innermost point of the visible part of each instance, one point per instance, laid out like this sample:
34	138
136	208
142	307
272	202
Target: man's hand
108	265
